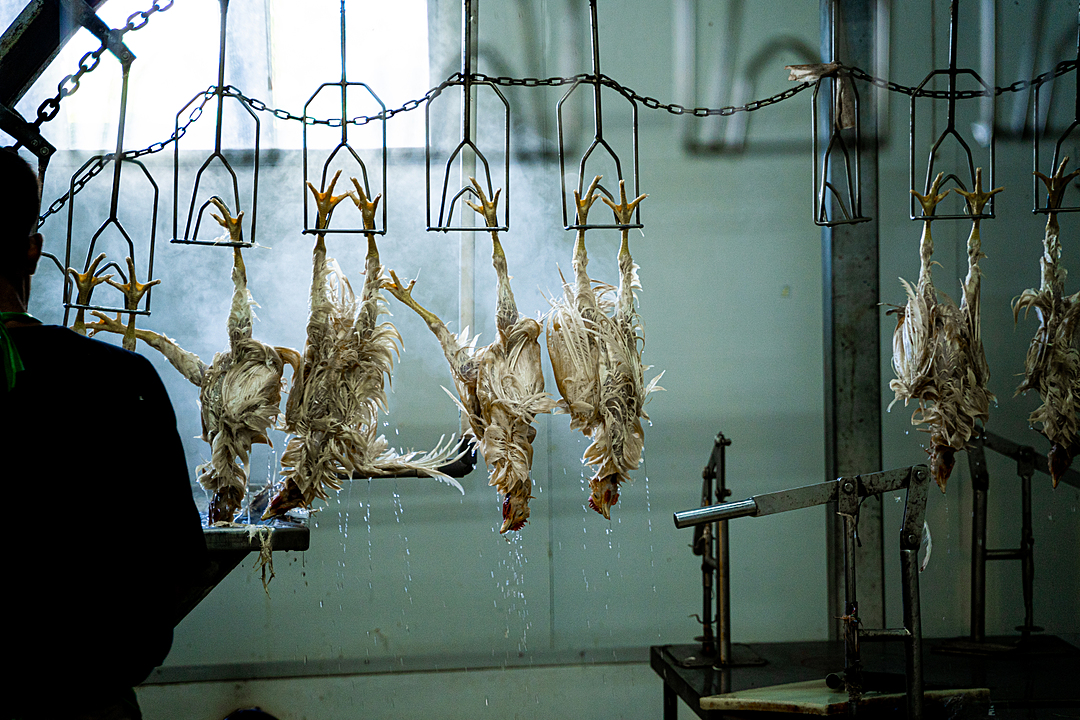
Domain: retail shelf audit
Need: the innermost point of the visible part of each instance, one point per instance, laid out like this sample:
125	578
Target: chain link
50	107
1062	68
98	165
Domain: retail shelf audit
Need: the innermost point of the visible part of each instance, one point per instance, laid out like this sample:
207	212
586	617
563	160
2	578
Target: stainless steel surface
280	534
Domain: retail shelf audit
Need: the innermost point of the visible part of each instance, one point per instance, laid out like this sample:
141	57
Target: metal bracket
220	91
467	81
27	135
344	85
84	15
1039	206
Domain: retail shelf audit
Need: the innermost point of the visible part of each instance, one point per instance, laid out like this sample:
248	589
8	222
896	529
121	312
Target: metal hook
950	129
221	91
343	84
596	79
468	83
1038	190
91	165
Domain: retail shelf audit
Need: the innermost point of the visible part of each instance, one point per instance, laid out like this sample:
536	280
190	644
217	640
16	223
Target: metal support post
852	355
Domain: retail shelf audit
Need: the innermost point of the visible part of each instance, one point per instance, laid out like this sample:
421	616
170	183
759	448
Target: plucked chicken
500	386
338	388
937	347
239	391
1053	359
593	342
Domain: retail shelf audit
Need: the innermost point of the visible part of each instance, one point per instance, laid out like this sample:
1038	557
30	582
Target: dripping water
399	510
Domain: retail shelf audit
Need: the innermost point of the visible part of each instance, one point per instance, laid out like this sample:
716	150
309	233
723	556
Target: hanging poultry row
337	388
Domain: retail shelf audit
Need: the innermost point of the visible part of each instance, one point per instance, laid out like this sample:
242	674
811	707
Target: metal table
1038	681
228	546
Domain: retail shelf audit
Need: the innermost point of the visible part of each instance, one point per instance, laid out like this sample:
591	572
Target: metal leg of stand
909	567
980	483
723	570
1027	546
848	506
671	703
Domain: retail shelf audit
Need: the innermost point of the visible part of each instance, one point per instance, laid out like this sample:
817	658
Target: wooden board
814	697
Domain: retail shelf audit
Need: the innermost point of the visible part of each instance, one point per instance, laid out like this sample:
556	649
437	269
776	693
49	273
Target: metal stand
848	492
711	543
1027	462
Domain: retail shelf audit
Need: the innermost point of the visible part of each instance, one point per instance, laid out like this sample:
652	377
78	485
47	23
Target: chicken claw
233	225
133	292
86	282
325	202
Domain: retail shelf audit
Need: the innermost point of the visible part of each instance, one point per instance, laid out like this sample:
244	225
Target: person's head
20	202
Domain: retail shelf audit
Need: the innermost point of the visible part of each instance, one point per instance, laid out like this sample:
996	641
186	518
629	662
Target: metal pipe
708	565
344	110
220	90
118	160
714	513
1014	554
596	69
885	634
467	241
723	591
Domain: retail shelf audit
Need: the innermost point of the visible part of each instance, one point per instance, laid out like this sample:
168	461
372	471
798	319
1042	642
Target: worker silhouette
104	539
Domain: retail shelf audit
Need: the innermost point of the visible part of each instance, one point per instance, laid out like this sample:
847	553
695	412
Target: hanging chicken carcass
500	386
1052	366
338	387
239	391
593	341
937	347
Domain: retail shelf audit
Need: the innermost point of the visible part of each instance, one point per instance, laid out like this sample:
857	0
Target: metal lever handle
714	513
